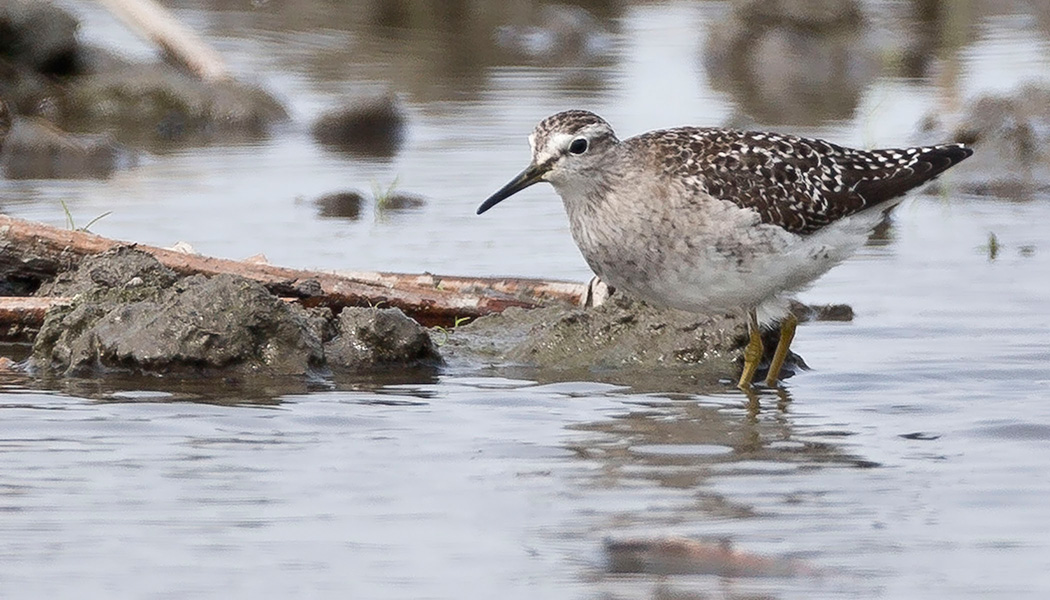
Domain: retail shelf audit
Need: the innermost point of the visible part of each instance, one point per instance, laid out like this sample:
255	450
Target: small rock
798	62
257	259
183	248
368	337
558	35
340	205
370	127
308	288
821	312
598	293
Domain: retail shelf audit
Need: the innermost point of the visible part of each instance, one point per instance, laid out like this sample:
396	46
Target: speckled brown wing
796	183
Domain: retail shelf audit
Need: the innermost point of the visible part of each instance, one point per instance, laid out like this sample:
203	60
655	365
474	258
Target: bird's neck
585	192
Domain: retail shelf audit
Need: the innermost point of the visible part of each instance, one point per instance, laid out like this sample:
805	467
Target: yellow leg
752	353
787	333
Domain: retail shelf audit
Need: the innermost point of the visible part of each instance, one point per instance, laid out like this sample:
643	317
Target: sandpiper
713	220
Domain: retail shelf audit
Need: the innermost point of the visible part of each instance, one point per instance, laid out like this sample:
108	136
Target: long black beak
534	174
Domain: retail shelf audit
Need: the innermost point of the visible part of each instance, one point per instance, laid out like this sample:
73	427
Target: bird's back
799	184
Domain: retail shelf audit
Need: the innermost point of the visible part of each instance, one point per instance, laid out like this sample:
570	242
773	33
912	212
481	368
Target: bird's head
565	147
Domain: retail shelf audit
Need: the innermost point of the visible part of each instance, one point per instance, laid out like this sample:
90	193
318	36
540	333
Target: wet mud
130	314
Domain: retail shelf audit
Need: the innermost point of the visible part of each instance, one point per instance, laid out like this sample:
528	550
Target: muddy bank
622	339
131	314
138	310
127	313
621	334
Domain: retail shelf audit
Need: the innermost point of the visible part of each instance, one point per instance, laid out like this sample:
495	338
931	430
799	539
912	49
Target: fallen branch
31	253
21	317
155	23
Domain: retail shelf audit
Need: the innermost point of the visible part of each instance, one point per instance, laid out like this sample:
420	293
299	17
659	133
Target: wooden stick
35	252
21	317
153	22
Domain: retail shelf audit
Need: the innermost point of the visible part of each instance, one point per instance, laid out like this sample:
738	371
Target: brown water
912	462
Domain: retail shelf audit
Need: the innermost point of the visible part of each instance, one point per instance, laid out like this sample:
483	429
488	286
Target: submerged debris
683	556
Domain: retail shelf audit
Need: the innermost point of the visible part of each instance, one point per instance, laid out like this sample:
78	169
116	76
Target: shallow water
912	461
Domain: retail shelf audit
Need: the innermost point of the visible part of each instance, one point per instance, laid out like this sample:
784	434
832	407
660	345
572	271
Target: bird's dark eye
578	146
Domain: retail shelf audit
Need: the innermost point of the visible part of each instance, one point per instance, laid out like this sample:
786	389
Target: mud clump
371	336
161	104
620	334
340	205
197	326
368	127
130	314
1010	136
124	269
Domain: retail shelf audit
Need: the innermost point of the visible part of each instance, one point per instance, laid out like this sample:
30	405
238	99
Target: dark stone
370	127
821	312
340	205
370	337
